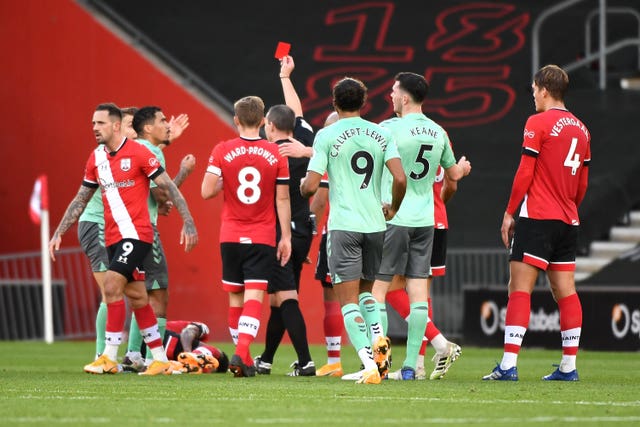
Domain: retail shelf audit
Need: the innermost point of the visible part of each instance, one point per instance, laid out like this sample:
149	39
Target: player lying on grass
187	350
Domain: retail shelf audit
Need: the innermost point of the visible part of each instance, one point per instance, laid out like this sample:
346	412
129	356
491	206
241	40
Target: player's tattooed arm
165	182
75	209
179	202
73	212
187	165
189	235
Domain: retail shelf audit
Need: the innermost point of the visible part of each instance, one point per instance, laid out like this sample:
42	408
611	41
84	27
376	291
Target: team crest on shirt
125	164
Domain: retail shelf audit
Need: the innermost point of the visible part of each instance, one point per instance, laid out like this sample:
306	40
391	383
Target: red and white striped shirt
123	177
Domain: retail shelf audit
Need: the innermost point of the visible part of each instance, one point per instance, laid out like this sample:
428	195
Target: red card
282	50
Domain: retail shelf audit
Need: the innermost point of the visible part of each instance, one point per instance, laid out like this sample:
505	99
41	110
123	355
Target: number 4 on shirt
573	159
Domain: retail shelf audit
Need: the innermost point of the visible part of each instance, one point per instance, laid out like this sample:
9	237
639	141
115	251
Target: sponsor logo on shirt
120	184
529	133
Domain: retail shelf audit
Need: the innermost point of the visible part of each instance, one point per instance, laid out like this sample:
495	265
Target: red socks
570	323
248	326
517	321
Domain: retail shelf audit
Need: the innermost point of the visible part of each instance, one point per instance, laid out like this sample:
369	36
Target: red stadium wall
59	64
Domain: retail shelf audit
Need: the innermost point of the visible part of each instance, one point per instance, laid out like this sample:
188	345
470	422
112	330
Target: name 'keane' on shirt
422	130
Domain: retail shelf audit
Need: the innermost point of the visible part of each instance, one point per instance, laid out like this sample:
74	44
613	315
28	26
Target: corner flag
39	213
39	199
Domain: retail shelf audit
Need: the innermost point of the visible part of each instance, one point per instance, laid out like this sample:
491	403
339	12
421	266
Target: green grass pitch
44	385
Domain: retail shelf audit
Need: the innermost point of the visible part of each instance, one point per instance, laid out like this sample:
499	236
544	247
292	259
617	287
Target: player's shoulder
325	133
227	142
263	143
432	123
136	147
302	123
387	132
547	116
99	148
375	126
391	122
149	146
92	158
537	122
420	119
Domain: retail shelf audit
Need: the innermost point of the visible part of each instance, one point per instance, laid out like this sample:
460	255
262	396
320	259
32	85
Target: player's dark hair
282	117
554	79
349	94
249	111
144	116
114	111
414	84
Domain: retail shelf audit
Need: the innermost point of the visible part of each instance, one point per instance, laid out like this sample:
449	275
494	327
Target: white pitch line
300	421
440	421
632	403
46	420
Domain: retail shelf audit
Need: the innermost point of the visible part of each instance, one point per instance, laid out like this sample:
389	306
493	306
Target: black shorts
127	256
322	266
545	244
439	252
246	265
287	278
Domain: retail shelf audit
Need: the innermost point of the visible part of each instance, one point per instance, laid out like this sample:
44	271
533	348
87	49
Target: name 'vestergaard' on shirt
568	121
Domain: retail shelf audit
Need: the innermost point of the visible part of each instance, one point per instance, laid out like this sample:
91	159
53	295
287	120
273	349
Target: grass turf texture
43	385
